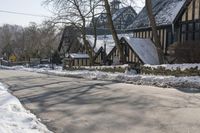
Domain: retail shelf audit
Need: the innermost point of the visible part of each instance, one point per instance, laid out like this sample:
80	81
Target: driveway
73	105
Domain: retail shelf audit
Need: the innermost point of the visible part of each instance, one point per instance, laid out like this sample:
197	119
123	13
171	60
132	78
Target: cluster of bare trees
34	41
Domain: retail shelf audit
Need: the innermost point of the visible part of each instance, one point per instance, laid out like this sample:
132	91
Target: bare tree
148	4
29	42
76	13
113	31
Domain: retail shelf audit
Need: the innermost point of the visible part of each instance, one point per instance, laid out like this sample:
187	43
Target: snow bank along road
72	105
14	118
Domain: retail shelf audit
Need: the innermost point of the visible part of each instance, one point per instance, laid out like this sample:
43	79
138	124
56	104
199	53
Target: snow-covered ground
14	118
128	77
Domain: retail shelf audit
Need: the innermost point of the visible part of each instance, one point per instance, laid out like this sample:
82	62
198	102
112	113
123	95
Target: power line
25	14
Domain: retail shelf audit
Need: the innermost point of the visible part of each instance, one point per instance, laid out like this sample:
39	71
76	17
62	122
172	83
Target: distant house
177	21
69	42
103	47
77	59
122	18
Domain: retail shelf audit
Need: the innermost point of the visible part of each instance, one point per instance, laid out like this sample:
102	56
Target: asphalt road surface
72	105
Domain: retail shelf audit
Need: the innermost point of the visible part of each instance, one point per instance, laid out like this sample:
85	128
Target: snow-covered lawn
14	118
128	77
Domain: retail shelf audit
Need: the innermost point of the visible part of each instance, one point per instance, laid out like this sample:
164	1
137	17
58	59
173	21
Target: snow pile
182	67
14	118
160	81
128	77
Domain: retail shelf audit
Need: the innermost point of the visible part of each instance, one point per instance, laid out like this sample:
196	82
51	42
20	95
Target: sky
25	6
22	6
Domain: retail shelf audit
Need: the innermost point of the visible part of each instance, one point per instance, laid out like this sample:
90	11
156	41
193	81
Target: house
69	42
177	21
122	17
104	46
77	59
136	51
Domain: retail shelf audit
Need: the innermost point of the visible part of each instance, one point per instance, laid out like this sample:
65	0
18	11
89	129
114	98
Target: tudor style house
69	42
177	21
122	17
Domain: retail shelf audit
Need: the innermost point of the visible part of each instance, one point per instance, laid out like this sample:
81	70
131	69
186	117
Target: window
190	31
197	35
197	26
126	51
190	27
169	37
183	37
197	31
184	27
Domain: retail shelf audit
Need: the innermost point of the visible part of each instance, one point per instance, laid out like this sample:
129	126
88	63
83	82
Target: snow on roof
104	39
79	56
103	16
165	12
119	12
101	40
145	49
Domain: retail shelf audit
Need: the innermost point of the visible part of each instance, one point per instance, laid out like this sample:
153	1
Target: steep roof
101	40
144	48
121	10
165	12
103	17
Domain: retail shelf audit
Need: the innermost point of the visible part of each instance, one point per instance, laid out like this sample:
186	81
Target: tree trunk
87	46
152	20
113	31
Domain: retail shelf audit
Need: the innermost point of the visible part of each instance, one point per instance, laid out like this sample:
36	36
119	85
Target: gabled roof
165	12
101	40
144	48
122	10
103	17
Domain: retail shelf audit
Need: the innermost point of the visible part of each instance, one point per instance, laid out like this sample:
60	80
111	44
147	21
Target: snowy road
71	105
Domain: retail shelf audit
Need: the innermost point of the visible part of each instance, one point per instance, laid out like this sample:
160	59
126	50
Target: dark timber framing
186	27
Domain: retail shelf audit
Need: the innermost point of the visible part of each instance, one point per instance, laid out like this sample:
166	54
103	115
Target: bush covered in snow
172	70
112	69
